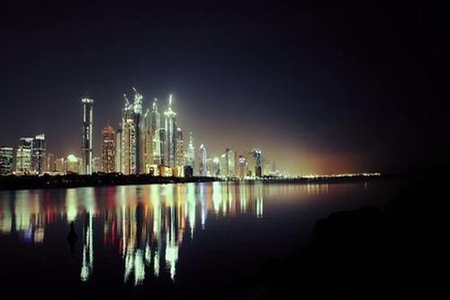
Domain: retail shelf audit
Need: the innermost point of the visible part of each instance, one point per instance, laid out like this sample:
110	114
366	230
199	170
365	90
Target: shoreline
46	181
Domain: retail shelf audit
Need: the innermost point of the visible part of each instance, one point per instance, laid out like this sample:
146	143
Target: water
172	240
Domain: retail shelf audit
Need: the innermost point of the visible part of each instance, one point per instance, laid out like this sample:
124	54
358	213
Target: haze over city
320	89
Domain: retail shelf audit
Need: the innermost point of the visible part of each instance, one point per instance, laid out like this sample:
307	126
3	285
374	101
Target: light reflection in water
146	224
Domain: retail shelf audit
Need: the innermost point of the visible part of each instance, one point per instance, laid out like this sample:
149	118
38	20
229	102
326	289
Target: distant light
72	158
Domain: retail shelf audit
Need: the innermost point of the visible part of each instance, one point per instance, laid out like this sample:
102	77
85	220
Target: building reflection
146	224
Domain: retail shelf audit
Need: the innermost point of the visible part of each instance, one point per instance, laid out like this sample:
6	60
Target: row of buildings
145	142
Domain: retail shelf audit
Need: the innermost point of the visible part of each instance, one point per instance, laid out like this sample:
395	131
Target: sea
163	241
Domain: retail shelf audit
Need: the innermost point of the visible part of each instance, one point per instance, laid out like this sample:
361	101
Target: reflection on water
149	232
146	224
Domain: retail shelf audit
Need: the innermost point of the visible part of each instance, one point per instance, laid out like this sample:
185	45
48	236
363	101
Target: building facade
108	149
86	135
6	160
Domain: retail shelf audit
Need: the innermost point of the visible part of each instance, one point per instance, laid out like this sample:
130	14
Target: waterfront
194	239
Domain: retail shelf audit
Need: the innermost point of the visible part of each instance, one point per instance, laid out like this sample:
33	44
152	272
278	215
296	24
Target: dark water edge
369	253
46	181
393	253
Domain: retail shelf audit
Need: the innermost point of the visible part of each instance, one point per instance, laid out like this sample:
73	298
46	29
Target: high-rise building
155	124
6	160
131	148
190	152
147	142
23	155
38	155
179	152
60	165
108	146
50	162
243	166
202	168
228	163
258	162
162	146
170	125
216	168
96	164
86	137
119	150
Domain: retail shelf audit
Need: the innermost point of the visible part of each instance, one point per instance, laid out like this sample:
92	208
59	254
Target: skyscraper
23	155
202	168
243	165
38	155
131	149
170	126
86	138
108	159
258	162
179	153
6	160
119	150
147	142
228	163
190	152
155	124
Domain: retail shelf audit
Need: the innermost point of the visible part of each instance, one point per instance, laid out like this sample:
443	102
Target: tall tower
131	149
179	153
190	152
137	109
202	170
147	142
119	150
258	162
108	149
171	138
38	155
86	137
155	124
229	163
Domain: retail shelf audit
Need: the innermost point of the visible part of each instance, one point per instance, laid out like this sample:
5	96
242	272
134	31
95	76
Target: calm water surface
172	240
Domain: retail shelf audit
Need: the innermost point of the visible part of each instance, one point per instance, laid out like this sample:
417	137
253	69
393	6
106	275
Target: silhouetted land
13	182
392	253
46	181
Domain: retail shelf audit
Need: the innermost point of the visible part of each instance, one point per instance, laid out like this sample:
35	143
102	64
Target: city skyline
320	89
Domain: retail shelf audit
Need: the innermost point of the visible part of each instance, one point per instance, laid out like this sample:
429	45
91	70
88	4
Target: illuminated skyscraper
162	146
170	126
6	160
131	149
155	124
86	138
179	153
108	149
38	155
228	163
147	142
190	152
119	150
258	162
216	168
23	155
243	166
202	168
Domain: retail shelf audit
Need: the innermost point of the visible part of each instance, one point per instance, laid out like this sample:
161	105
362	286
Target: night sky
319	87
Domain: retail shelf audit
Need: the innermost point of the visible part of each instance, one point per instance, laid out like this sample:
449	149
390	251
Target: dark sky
319	87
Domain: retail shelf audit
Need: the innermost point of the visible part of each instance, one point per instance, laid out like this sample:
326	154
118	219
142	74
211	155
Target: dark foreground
370	253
